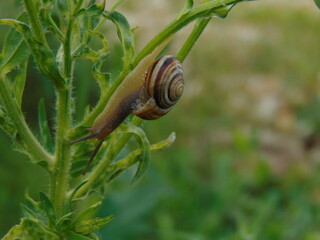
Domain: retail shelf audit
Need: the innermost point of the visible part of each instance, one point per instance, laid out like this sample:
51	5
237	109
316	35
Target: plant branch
204	10
95	175
209	9
61	171
219	8
100	169
67	51
193	37
35	21
115	5
102	166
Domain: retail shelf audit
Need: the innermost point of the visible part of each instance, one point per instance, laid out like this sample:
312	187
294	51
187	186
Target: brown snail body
149	91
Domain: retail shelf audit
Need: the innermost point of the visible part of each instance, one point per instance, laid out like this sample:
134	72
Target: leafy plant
68	210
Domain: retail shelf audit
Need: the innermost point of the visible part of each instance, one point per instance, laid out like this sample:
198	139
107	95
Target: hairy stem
35	148
61	170
34	20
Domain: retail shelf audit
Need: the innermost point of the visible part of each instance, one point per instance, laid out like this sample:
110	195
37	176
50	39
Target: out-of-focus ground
245	164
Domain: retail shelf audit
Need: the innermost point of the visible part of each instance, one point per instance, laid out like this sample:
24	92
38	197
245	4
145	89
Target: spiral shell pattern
164	84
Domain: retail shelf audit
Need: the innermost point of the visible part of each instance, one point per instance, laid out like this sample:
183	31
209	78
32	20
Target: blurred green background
245	164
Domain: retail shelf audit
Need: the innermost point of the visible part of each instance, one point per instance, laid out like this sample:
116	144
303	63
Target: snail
149	92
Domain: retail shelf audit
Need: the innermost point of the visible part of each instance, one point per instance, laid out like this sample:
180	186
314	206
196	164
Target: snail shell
148	97
162	88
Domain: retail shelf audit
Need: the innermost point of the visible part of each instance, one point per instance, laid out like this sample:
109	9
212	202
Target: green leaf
67	207
123	164
16	232
45	134
92	10
103	78
50	23
46	62
96	10
28	212
64	222
15	50
88	226
22	231
88	213
47	206
37	215
317	2
86	30
40	51
165	143
35	229
20	82
125	35
31	208
144	146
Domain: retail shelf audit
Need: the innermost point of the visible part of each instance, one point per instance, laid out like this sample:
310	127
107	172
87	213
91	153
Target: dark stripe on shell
177	80
158	90
164	83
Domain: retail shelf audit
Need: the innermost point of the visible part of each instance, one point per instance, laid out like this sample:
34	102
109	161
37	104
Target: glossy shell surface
164	85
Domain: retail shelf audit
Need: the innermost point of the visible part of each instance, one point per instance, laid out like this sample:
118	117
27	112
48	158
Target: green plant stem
129	160
136	121
219	8
95	175
204	10
115	5
35	21
102	102
67	52
184	51
198	28
61	171
34	147
100	169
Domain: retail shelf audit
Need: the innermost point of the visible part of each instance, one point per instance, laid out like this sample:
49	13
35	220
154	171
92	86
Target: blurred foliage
239	168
